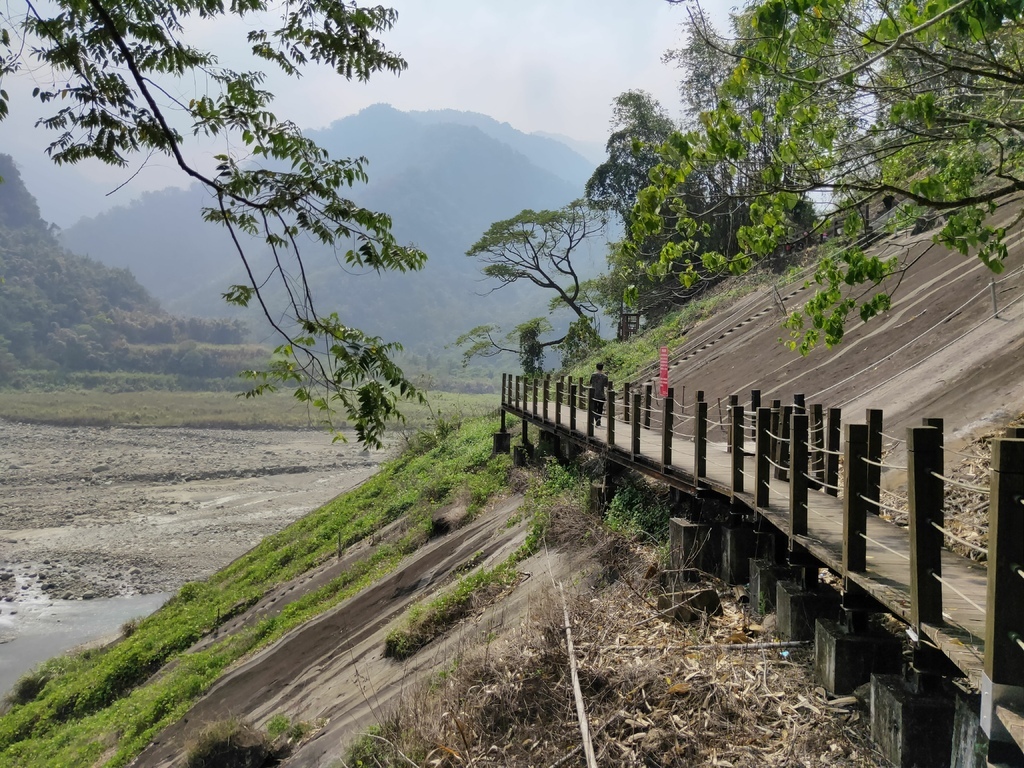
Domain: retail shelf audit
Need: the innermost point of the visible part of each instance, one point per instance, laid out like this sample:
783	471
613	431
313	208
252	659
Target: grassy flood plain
226	410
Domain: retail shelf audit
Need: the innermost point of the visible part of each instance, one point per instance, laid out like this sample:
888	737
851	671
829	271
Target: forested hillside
65	315
443	177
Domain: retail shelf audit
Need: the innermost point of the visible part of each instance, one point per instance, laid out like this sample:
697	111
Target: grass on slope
102	707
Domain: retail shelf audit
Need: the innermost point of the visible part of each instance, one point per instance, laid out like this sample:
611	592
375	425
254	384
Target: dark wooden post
782	447
559	385
635	426
798	475
855	520
816	432
924	499
526	433
1004	606
518	379
547	395
700	442
572	407
611	417
648	395
835	422
755	403
873	419
734	400
762	448
583	390
1013	432
627	401
799	404
590	412
736	418
536	393
666	428
504	389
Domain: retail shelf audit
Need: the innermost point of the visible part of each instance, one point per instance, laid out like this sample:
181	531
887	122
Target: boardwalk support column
762	474
635	426
835	419
739	453
666	430
700	442
798	467
924	501
1002	685
854	506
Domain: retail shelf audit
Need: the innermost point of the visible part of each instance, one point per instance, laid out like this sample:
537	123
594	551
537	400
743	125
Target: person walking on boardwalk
598	386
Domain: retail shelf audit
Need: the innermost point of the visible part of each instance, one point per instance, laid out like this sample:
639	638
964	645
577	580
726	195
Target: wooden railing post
559	386
924	500
835	422
873	419
1003	679
634	414
799	404
854	507
627	401
504	389
736	419
734	400
782	444
762	448
611	417
547	396
755	403
536	392
590	413
700	441
518	379
816	433
666	429
798	467
648	397
572	407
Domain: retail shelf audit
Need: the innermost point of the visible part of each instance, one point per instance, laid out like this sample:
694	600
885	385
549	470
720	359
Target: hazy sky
540	65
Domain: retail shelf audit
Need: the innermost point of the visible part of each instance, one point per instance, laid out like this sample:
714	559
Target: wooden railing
792	477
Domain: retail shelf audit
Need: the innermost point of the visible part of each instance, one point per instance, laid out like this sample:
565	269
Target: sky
541	65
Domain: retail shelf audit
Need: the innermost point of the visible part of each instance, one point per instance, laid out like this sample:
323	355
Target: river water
32	632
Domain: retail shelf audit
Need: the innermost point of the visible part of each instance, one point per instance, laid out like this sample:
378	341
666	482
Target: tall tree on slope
114	69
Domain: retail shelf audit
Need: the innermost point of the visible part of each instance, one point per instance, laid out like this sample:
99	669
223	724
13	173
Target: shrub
638	510
228	744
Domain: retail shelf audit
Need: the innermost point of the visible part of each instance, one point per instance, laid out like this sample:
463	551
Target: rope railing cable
822	483
881	505
777	466
909	343
960	484
773	436
883	546
966	599
962	455
893	439
1020	642
1020	571
957	539
941	349
874	463
822	450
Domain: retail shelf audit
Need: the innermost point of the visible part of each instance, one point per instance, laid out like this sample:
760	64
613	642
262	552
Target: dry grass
657	693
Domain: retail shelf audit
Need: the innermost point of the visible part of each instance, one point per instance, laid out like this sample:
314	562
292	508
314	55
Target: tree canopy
868	101
539	247
113	69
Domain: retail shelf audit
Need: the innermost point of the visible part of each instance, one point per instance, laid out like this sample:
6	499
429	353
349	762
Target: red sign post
664	372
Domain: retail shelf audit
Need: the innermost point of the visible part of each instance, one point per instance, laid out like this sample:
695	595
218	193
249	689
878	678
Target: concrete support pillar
970	744
796	609
764	579
502	443
910	729
694	548
737	549
845	661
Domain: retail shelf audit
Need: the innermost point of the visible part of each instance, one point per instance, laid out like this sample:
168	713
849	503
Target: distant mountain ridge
443	176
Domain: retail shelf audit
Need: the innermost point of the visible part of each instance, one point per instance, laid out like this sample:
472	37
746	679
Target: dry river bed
131	514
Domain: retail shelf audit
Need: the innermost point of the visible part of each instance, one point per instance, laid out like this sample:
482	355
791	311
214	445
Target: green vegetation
111	702
638	509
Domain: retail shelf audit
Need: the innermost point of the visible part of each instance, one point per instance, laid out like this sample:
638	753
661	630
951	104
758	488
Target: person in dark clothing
598	387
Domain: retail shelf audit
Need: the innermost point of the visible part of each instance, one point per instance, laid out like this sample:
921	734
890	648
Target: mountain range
443	177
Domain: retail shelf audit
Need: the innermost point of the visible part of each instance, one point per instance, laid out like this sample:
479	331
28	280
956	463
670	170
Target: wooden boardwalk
898	567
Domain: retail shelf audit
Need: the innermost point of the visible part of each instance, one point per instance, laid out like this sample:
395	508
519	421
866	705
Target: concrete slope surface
332	669
939	352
